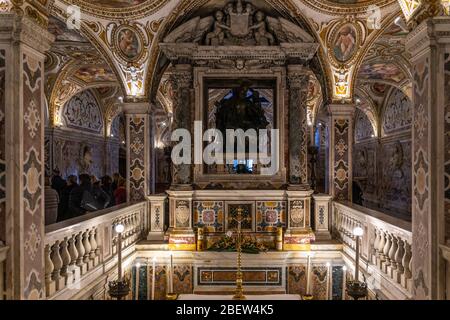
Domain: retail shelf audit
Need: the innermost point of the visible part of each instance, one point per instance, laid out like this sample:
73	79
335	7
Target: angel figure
262	36
217	35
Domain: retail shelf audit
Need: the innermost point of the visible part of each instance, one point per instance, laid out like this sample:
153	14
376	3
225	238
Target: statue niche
243	110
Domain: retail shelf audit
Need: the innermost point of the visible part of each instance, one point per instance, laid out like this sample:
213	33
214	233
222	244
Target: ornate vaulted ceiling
369	63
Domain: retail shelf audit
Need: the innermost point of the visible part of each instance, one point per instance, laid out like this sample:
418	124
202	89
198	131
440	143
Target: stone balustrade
75	248
385	246
3	252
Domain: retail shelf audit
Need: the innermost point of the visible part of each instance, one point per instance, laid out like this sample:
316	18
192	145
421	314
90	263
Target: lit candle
153	278
171	273
344	278
329	281
308	277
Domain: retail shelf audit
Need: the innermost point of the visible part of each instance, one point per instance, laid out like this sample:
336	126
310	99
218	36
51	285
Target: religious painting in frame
248	214
345	39
128	43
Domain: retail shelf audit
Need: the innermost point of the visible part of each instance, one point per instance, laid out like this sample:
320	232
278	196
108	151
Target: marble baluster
49	268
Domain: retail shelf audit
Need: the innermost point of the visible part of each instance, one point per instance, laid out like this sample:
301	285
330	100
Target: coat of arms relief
238	23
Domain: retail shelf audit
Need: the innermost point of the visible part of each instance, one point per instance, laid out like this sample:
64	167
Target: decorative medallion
128	43
182	213
33	241
297	213
32	180
345	42
32	119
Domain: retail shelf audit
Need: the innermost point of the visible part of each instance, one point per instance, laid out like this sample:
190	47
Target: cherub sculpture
262	36
217	36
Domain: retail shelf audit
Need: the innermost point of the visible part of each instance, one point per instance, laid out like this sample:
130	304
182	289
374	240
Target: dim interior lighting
112	135
358	100
123	142
373	136
328	264
358	231
344	268
119	228
154	259
120	99
138	265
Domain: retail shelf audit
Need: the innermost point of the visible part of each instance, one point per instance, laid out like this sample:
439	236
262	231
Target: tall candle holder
239	295
357	289
119	288
171	295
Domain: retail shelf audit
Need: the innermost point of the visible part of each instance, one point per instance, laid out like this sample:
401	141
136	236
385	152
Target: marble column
138	150
182	85
429	46
298	79
22	165
340	146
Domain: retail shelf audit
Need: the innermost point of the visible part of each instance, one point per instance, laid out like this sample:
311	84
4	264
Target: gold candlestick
239	295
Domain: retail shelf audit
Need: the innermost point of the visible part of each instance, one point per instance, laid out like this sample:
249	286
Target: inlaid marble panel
421	179
319	282
210	214
2	144
182	279
341	159
33	170
270	214
397	112
137	169
296	277
447	146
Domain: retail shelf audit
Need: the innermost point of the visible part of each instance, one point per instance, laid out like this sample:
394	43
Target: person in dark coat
76	196
107	188
58	183
63	209
121	192
102	199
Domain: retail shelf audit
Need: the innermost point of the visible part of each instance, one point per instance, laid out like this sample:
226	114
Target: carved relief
83	112
397	114
239	23
363	126
182	213
341	161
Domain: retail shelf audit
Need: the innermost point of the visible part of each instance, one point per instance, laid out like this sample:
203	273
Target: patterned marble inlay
319	282
270	214
210	214
33	170
137	168
341	159
447	146
296	279
2	144
421	179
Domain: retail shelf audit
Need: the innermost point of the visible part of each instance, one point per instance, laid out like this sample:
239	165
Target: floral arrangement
248	244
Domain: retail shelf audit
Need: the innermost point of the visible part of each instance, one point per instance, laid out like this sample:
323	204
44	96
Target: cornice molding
23	30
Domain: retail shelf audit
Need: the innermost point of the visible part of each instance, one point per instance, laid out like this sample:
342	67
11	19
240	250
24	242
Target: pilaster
22	164
138	150
298	79
429	46
341	145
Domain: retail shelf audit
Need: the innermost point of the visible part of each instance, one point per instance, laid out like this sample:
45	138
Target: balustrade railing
3	252
76	247
385	245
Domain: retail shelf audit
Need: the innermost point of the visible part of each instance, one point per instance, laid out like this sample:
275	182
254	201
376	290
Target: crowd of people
75	196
